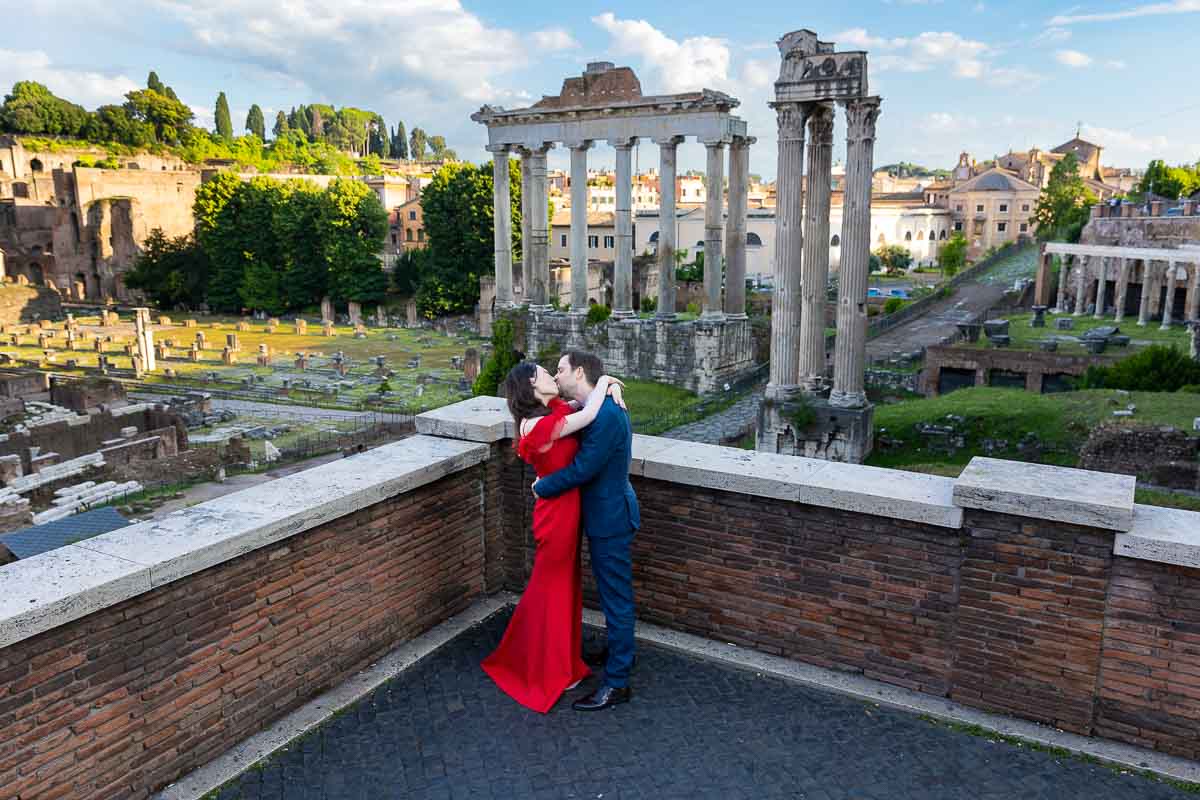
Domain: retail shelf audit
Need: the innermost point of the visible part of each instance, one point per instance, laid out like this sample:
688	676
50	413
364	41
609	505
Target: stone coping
1041	491
480	419
62	585
1166	535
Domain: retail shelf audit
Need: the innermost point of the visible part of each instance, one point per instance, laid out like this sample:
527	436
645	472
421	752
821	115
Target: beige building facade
993	209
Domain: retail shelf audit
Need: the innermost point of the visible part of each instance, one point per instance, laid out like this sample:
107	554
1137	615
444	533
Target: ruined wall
77	437
1162	455
1142	231
21	305
1036	366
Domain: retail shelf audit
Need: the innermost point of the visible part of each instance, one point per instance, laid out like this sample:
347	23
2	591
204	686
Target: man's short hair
593	367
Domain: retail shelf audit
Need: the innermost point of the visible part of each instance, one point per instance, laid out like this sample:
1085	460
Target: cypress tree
400	142
224	122
281	125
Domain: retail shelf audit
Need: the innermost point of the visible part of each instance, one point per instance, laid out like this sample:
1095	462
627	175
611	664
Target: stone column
1081	284
789	243
623	260
850	352
537	271
735	227
502	225
579	227
1122	290
1064	269
1169	301
1144	305
526	233
814	272
1101	281
714	189
666	226
1191	310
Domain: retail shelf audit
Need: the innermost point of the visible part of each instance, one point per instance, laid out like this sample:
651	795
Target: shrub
892	305
1158	368
597	314
649	304
502	359
693	308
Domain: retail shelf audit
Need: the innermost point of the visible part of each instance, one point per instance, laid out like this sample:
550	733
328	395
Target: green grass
655	408
1025	337
1155	497
1060	421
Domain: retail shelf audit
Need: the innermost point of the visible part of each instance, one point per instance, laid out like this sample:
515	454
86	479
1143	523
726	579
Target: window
1001	226
908	236
421	235
408	237
654	237
958	207
393	238
920	236
836	241
942	236
753	240
412	215
1003	207
932	234
610	242
564	240
1025	206
1024	227
979	208
958	226
593	242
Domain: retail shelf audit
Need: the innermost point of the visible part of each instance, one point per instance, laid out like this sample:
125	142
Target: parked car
873	292
901	293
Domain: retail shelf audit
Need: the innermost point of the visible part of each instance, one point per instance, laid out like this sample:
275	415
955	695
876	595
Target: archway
836	241
753	239
35	165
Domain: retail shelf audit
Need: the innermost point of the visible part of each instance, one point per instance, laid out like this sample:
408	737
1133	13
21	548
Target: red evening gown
539	655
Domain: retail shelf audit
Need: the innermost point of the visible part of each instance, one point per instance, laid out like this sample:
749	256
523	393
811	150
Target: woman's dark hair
523	402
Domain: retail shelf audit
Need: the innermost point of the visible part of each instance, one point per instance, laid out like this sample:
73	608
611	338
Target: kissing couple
573	429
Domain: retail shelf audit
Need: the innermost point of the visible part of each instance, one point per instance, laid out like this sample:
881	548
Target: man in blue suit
610	518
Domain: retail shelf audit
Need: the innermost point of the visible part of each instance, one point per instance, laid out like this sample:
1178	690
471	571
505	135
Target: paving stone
694	729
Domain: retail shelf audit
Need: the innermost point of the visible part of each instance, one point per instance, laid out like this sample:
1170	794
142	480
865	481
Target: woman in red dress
539	656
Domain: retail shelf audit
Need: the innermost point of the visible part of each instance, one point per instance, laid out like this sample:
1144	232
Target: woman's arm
585	416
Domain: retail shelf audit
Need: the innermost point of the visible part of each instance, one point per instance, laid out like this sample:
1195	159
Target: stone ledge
1165	535
849	487
1060	494
480	419
62	585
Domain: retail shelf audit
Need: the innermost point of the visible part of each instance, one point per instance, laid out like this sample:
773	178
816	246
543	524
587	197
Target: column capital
743	141
861	115
667	141
622	142
820	124
718	142
579	144
534	148
496	149
792	118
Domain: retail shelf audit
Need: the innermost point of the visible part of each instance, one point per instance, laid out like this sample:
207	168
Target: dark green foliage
894	258
224	122
172	272
406	274
255	123
1064	206
400	142
281	125
597	314
417	141
952	256
892	305
32	108
458	222
500	362
1170	182
169	117
1157	368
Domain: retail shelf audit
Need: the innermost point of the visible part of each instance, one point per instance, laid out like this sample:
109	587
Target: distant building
406	230
993	209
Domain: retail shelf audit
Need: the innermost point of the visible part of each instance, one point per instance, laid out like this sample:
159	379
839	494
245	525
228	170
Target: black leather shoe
595	658
603	698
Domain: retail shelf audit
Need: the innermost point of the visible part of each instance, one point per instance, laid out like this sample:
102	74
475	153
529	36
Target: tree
1064	205
255	122
223	120
457	207
437	146
172	272
400	142
354	226
169	117
894	258
1169	182
32	108
952	256
503	358
417	141
114	124
154	84
281	126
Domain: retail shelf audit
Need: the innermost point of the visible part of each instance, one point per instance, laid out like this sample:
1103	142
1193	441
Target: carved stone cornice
861	115
669	141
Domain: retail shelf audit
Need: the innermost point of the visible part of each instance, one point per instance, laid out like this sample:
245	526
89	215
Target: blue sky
954	74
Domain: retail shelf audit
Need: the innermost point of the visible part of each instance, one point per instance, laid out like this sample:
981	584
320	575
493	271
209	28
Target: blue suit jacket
601	470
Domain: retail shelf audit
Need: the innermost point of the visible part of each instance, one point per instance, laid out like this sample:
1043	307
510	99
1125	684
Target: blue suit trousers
612	566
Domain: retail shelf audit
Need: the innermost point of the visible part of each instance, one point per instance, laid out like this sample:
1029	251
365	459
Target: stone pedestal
795	425
231	342
355	313
301	327
327	329
326	310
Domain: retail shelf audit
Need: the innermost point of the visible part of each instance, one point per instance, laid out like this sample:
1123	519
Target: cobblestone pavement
731	423
694	729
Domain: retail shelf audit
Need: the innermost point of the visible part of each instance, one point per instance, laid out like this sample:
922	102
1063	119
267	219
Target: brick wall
1024	617
123	701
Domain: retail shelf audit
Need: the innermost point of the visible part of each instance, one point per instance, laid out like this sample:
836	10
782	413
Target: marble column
850	351
526	233
537	271
579	227
1191	311
1064	270
1122	289
814	270
623	260
1147	289
1081	270
502	227
735	227
1101	288
714	190
1169	301
784	377
666	226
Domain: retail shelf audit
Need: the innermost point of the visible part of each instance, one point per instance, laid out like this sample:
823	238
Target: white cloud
945	122
1123	144
1013	76
1116	63
1072	58
85	87
676	66
758	73
1052	35
1147	10
553	39
921	53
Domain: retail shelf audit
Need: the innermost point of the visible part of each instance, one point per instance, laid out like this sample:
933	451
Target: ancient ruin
802	414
